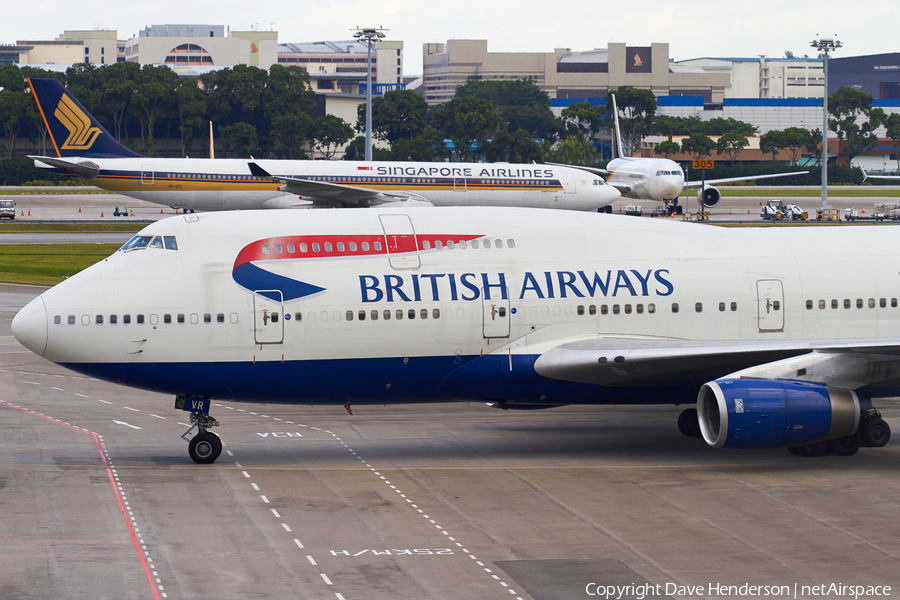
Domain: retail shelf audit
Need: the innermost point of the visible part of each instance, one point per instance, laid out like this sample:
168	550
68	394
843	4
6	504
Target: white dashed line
104	401
311	560
325	577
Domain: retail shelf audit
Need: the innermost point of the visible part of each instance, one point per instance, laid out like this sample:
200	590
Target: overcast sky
693	29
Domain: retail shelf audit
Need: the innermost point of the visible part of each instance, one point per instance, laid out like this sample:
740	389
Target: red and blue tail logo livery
249	267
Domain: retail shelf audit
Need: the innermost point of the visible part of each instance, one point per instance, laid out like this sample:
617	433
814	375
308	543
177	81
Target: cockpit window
138	241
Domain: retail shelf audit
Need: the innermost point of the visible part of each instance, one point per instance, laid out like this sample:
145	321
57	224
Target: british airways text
546	285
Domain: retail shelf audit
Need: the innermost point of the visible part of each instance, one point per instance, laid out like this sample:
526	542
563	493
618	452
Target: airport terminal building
563	73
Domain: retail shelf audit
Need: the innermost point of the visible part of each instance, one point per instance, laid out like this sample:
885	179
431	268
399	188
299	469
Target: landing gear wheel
813	449
795	450
679	209
847	445
205	448
874	433
688	423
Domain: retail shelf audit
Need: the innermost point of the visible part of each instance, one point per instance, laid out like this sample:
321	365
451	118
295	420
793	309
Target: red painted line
112	482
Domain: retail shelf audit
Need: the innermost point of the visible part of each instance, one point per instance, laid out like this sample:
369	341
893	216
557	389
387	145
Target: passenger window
349	315
615	308
327	246
140	319
411	313
776	305
846	302
278	249
362	315
487	243
859	303
499	243
387	314
639	308
374	314
303	247
207	318
893	303
57	320
181	318
99	319
821	305
340	246
365	246
698	307
871	302
882	302
475	244
126	319
627	309
315	246
71	319
604	309
592	309
722	305
733	306
436	313
298	316
399	314
265	248
376	246
651	308
167	318
674	307
291	249
511	243
834	303
580	310
426	245
113	319
352	246
423	313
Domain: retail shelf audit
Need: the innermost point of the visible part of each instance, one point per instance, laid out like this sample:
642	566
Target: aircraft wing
322	192
628	361
691	184
85	168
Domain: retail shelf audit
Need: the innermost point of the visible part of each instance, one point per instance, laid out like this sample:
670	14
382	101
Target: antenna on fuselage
618	143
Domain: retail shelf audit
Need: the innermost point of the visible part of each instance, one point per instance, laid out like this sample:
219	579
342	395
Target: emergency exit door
770	305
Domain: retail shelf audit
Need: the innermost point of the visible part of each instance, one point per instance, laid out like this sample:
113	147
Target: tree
731	144
329	133
239	137
397	115
520	104
636	108
288	108
720	126
667	148
795	140
671	126
191	111
772	141
155	97
12	116
428	147
892	127
468	122
582	119
698	145
576	150
854	119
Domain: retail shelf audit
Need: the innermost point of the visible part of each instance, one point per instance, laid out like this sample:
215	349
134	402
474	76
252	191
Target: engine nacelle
769	413
710	196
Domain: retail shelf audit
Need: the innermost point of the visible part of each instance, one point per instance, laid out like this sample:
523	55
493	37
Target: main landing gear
205	447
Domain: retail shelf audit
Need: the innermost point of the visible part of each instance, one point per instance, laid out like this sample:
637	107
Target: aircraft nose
30	326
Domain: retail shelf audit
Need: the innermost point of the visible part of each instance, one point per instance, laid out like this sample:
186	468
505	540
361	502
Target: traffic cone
160	211
748	211
23	212
729	211
863	211
101	214
176	211
29	212
79	209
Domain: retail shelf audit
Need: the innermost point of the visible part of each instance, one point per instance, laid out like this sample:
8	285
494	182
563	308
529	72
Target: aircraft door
146	174
459	184
400	240
770	305
495	309
268	317
569	183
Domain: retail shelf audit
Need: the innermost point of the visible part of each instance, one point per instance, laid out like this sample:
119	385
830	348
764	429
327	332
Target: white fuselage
226	184
396	305
656	179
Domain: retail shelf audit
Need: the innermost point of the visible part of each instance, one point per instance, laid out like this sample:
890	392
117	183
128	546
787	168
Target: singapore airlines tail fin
619	152
74	131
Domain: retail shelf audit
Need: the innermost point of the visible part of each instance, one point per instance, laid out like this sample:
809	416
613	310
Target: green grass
48	264
12	227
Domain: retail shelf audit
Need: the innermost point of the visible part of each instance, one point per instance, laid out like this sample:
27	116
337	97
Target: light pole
370	35
824	45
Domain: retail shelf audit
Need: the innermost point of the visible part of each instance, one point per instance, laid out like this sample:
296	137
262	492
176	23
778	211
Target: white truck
777	210
7	209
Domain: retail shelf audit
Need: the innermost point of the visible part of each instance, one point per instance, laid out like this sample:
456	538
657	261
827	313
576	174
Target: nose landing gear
205	447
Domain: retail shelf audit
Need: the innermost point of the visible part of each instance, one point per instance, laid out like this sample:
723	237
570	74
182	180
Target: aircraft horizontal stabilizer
84	168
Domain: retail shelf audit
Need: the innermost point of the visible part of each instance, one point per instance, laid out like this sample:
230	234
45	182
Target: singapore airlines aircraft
661	179
87	151
520	308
